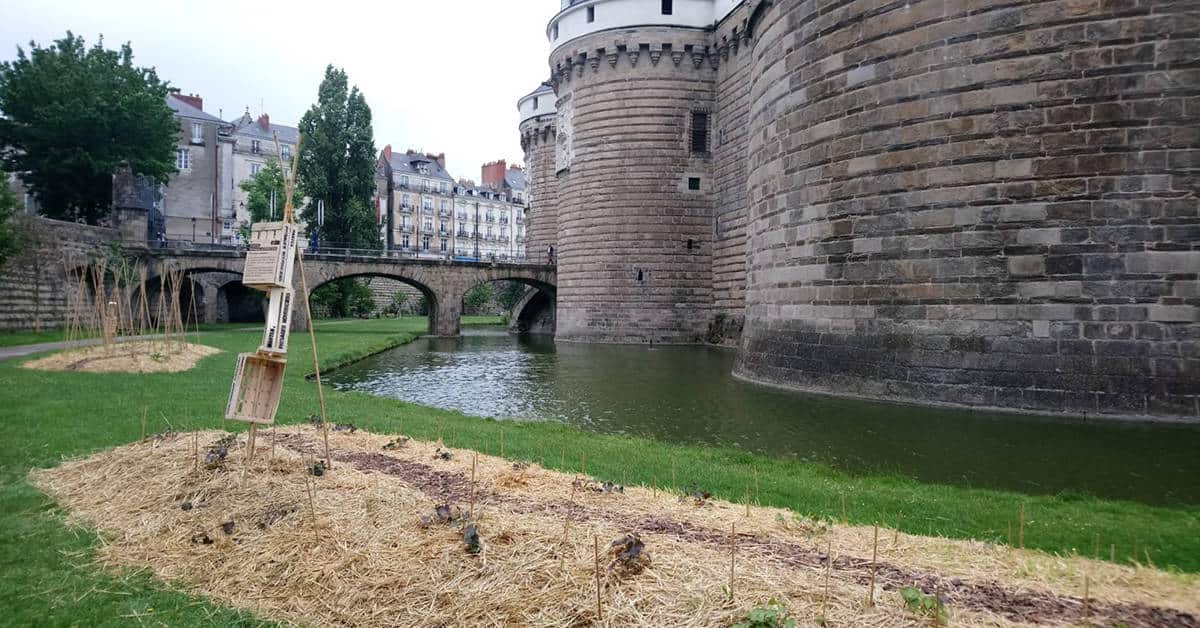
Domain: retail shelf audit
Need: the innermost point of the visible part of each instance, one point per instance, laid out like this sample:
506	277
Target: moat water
686	394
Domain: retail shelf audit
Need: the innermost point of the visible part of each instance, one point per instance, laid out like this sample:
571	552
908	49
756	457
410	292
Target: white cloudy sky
439	75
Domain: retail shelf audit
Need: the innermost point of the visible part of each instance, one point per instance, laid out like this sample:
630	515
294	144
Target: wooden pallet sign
257	384
271	255
279	320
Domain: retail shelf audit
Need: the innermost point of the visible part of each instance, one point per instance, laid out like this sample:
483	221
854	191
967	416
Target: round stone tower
538	140
980	203
634	80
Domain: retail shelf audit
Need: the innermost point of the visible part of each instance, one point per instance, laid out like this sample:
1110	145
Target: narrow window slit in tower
699	132
668	7
693	183
591	14
639	274
690	243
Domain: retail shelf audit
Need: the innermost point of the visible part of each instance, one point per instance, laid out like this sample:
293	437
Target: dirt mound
143	356
397	533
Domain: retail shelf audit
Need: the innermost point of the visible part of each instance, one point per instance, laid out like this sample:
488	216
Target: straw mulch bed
142	356
364	545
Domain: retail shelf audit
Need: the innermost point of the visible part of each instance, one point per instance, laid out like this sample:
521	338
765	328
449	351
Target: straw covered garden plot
143	356
401	532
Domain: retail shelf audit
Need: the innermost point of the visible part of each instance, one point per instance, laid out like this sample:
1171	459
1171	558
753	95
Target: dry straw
352	548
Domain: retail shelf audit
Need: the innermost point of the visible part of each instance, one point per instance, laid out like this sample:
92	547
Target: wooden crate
279	320
271	255
257	386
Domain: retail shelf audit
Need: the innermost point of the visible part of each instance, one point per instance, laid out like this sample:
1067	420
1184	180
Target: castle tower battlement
967	202
538	138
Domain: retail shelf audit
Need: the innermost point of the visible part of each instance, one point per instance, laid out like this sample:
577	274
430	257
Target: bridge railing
336	249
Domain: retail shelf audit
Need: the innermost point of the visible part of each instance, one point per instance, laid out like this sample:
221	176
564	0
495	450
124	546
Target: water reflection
685	394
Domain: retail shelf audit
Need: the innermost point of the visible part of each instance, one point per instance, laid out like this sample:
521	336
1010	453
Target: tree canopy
72	115
258	190
337	163
10	239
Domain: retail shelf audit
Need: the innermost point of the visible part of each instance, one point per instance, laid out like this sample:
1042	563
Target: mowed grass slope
47	577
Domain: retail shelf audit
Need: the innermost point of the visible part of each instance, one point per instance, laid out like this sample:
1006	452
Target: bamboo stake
312	508
474	461
1021	532
732	555
746	497
196	451
1087	611
596	554
874	567
757	495
312	337
828	568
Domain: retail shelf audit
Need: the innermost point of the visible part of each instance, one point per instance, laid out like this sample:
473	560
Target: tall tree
258	194
72	115
337	163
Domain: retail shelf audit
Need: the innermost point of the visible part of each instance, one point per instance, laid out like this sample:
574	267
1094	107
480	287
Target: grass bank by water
46	576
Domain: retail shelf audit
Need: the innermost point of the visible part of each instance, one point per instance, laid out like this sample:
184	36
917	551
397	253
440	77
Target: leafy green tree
477	298
258	194
10	239
337	163
73	115
344	298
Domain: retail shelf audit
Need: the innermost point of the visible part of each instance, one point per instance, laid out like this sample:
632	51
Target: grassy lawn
46	577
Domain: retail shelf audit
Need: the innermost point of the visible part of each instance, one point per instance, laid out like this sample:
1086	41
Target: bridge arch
429	292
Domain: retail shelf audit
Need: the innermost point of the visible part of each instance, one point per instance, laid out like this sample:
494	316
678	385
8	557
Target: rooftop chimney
493	173
440	158
387	152
264	121
192	99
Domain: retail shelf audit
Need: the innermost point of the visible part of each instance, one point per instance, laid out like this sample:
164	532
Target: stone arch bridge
442	282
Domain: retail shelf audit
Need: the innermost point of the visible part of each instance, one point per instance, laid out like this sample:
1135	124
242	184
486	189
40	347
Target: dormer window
255	146
197	133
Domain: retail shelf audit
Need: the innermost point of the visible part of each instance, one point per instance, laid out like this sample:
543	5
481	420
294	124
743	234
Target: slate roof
185	110
515	179
249	127
403	163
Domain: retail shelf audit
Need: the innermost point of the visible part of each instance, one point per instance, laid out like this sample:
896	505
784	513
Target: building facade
960	202
419	196
196	204
253	147
490	224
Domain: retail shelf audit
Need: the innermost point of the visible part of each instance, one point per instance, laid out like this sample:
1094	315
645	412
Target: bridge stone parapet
34	287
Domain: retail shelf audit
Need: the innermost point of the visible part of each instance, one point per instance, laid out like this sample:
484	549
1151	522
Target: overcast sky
439	75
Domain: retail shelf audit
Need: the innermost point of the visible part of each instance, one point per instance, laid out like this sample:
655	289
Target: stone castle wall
34	287
538	140
635	244
977	202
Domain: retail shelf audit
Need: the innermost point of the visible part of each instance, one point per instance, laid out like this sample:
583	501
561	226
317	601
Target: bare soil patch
396	533
142	356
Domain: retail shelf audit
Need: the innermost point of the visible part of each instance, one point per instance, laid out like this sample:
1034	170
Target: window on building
693	183
404	181
445	244
183	159
591	14
554	32
287	151
668	7
445	205
425	240
429	225
699	132
404	242
254	168
423	169
404	201
197	133
535	99
444	187
255	146
427	203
